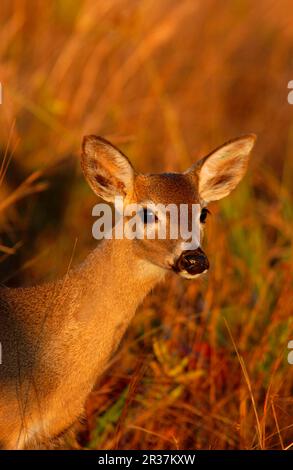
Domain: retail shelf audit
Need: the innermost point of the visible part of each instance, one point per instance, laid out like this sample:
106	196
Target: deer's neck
102	297
84	317
113	281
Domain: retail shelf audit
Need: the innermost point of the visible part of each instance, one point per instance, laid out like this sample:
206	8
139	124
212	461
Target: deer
58	337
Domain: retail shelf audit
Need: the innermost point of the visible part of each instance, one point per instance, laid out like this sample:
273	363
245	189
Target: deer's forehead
166	188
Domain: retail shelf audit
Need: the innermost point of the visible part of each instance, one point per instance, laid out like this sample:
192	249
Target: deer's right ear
108	172
217	174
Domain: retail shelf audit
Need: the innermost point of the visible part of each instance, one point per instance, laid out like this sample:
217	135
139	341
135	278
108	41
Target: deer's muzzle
192	262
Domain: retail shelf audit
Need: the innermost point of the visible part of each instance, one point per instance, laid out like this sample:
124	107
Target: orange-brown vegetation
204	364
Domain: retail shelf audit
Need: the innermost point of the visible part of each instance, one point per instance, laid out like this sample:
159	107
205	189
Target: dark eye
203	215
148	216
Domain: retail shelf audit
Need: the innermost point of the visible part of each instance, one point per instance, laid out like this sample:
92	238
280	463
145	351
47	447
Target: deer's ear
108	172
218	173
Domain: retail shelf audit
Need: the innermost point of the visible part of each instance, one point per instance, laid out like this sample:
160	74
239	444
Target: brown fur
58	337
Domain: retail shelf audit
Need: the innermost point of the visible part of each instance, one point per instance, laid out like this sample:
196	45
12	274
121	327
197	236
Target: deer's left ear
107	170
218	173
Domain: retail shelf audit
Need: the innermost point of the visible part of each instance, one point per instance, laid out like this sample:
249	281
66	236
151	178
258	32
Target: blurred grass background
167	81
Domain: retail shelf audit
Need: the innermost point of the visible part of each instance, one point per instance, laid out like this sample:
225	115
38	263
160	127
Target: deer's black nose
192	261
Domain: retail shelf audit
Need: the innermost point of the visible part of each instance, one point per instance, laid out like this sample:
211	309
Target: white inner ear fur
107	170
221	171
120	167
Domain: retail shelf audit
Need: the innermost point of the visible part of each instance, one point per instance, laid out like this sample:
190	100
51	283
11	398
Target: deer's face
170	209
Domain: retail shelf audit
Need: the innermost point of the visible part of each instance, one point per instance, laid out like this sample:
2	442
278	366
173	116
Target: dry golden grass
204	364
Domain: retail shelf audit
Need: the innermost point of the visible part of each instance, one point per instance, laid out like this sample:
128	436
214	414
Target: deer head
111	175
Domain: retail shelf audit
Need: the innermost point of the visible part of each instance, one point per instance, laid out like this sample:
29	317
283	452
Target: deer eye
203	215
148	216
